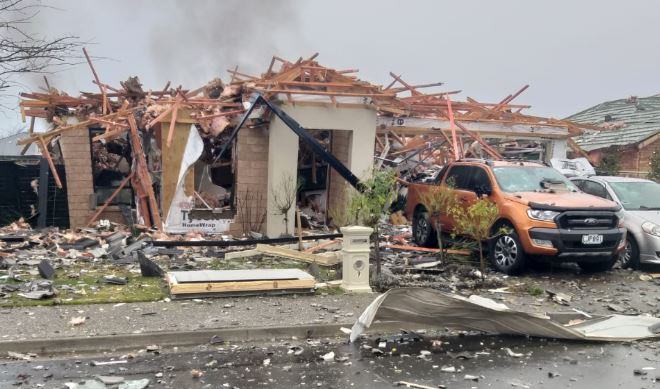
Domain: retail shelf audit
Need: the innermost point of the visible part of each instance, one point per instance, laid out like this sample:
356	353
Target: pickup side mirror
482	190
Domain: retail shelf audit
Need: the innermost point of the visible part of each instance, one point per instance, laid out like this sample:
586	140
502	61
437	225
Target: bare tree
23	51
284	196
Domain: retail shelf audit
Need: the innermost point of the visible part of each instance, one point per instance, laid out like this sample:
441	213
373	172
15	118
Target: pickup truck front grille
587	220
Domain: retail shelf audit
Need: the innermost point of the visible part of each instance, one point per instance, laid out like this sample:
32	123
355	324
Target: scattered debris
110	379
413	385
106	363
46	269
482	314
328	357
195	373
559	298
20	356
513	354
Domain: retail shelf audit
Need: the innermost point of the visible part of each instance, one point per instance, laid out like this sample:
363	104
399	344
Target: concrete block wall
77	157
251	174
337	186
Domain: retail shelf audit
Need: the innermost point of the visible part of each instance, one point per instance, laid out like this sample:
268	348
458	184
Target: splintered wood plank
142	172
51	164
297	255
106	104
170	134
323	245
424	249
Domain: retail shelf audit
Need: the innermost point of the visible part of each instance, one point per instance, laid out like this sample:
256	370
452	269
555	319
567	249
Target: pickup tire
506	253
604	264
422	229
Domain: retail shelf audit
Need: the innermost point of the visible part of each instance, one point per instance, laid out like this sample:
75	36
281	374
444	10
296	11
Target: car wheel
629	257
423	231
506	253
602	265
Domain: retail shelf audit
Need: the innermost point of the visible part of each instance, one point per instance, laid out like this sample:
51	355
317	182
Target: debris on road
435	308
559	298
195	373
329	357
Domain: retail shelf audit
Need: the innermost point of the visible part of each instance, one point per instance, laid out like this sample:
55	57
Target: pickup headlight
651	228
546	216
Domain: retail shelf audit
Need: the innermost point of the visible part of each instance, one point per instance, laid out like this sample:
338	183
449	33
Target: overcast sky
574	54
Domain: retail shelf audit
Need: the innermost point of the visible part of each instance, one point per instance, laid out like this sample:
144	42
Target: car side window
596	189
441	174
459	176
578	183
480	179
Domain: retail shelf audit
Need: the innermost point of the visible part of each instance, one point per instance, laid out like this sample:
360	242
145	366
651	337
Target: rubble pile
49	263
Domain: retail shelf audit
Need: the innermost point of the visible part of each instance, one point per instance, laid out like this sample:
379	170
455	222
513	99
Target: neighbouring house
630	132
26	189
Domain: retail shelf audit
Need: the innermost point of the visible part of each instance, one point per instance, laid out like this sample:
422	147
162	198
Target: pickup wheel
423	231
604	264
506	253
629	257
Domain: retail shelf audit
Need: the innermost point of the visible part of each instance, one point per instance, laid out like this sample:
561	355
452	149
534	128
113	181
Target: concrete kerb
123	342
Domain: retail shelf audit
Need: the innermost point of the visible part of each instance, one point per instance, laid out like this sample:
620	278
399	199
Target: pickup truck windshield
640	195
530	178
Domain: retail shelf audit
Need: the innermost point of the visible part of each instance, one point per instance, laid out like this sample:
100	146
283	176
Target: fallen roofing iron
435	308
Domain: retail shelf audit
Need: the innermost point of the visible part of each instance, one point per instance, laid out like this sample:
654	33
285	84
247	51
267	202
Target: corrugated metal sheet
640	118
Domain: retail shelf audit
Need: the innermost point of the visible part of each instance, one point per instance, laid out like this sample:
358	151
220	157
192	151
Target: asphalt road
478	362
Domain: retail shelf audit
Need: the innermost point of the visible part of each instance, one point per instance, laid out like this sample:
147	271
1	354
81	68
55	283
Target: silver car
640	200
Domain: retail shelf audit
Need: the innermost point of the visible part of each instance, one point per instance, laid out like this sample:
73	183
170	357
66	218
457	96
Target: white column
282	162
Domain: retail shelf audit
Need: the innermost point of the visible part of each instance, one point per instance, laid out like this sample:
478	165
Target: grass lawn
87	280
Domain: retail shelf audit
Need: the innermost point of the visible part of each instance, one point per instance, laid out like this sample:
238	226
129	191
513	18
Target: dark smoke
196	41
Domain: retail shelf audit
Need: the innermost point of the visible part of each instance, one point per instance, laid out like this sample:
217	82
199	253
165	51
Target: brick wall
633	162
337	196
78	166
251	174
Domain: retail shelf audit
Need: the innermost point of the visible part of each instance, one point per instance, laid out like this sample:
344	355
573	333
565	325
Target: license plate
592	239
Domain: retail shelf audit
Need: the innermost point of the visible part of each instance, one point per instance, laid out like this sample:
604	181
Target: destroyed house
158	152
630	130
183	160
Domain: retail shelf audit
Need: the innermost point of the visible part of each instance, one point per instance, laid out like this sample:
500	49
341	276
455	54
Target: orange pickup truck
546	216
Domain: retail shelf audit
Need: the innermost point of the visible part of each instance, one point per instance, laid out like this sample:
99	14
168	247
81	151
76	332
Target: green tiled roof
640	119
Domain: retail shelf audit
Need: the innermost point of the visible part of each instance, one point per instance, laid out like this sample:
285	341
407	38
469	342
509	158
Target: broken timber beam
480	140
106	105
424	249
297	255
143	172
51	164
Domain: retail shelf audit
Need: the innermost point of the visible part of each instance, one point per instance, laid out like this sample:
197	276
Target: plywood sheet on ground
211	282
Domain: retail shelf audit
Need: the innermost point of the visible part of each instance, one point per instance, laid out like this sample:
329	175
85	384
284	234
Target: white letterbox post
355	254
